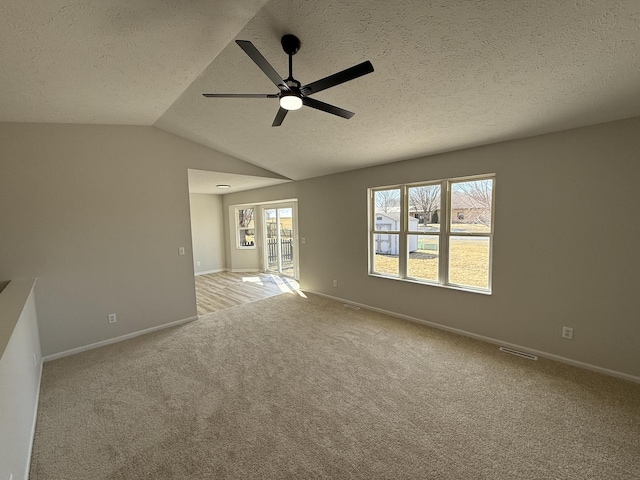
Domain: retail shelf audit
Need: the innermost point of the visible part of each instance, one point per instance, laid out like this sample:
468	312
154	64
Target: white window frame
443	235
239	228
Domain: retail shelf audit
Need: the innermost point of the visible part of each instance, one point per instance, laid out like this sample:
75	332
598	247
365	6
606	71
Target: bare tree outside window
472	200
425	199
245	217
387	200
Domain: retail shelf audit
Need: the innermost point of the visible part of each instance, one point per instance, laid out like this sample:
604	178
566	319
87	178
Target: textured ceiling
111	62
201	181
449	74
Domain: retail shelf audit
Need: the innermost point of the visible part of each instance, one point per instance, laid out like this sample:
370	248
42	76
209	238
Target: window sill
429	284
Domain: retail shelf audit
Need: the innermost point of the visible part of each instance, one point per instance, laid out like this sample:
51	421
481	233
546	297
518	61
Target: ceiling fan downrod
291	45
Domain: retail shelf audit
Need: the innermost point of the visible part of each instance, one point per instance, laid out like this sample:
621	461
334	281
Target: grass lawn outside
468	261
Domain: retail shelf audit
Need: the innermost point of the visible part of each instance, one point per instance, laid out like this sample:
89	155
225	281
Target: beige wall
97	213
551	267
207	233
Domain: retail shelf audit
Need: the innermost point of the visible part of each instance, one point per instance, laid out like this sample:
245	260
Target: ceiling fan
292	94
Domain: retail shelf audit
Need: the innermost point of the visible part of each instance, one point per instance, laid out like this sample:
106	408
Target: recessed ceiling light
223	186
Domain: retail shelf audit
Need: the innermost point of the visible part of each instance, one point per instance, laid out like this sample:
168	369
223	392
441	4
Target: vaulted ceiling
448	74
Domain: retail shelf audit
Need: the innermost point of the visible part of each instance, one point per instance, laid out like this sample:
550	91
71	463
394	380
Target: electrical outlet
567	332
303	240
112	318
197	264
335	283
180	250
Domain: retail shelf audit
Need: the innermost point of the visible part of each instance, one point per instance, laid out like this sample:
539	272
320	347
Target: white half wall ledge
494	341
20	376
121	338
12	302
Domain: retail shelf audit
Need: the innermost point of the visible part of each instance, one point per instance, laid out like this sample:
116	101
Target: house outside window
452	247
245	227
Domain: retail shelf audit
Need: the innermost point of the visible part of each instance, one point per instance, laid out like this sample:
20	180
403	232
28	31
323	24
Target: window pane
286	239
385	258
424	208
387	210
471	206
247	237
423	257
245	218
271	223
286	222
469	261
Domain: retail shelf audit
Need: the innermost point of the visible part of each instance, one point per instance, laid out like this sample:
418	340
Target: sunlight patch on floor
285	284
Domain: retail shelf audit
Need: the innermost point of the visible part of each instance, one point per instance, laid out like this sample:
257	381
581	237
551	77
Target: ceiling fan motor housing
290	44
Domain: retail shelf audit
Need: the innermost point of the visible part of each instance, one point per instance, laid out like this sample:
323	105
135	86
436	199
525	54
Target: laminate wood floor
217	291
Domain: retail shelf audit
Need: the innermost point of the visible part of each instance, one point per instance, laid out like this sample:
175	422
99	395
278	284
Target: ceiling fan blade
240	95
265	66
338	78
279	117
325	107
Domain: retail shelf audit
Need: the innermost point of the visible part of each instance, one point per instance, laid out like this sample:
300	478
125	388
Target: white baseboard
102	343
550	356
243	270
207	272
33	424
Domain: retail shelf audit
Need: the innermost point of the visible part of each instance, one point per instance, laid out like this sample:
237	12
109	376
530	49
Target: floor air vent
352	307
518	354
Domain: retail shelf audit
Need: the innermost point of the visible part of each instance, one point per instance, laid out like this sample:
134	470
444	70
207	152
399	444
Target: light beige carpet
289	387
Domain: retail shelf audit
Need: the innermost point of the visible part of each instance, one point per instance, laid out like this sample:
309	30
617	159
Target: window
245	228
386	237
438	233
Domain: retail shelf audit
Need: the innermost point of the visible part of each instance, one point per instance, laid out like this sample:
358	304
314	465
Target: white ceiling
201	181
449	74
112	62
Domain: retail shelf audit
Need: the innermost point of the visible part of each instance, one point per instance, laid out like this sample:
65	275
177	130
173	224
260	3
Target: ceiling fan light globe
290	102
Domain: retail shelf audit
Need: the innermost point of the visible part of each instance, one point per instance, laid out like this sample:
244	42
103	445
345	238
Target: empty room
296	239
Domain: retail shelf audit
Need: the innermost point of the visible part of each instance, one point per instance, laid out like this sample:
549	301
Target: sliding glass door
280	256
